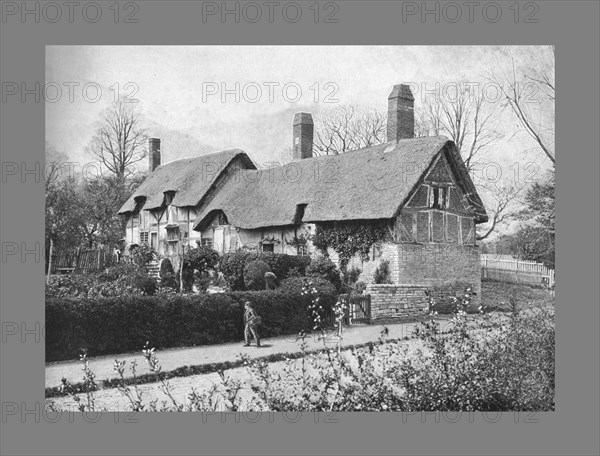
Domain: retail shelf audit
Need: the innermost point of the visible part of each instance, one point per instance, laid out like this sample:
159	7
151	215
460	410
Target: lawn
497	295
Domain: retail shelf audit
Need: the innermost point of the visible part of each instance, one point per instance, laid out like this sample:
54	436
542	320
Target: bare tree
348	128
119	141
502	200
56	167
465	116
528	88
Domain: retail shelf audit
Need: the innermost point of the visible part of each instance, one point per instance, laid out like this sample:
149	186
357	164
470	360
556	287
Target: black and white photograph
299	228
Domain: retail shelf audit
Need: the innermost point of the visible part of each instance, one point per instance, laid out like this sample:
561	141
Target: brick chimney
303	136
154	153
401	113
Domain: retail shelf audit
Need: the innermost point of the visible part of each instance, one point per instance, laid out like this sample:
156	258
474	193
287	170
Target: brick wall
397	302
446	269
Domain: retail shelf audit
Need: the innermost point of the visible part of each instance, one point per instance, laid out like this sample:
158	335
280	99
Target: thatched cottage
418	188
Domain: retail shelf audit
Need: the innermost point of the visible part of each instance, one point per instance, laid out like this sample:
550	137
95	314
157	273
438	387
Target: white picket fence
517	271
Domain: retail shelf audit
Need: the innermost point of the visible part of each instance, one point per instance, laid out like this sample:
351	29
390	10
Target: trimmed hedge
123	324
232	265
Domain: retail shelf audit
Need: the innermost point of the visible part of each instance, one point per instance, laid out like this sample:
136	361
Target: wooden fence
81	260
516	271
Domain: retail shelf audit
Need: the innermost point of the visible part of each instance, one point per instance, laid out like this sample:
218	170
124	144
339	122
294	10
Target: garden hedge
122	324
232	265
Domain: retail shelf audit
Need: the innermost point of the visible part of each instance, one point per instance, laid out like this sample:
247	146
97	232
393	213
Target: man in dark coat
250	324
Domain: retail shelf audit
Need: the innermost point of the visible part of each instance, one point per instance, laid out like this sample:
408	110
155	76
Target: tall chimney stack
303	136
154	153
401	113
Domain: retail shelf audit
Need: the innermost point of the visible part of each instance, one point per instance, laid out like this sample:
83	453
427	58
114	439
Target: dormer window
221	219
439	197
169	197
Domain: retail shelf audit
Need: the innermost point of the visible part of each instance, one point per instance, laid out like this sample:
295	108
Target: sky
187	94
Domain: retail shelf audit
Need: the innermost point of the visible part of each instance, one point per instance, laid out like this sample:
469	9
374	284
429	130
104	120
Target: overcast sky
170	83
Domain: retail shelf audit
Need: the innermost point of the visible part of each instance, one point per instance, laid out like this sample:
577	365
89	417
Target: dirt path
113	400
171	359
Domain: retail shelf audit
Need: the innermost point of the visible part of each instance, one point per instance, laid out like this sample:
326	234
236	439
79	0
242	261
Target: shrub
382	272
232	266
351	276
147	285
187	276
166	268
360	286
324	268
293	285
505	364
201	258
142	255
124	323
254	275
281	264
91	286
203	283
294	272
118	272
74	285
168	278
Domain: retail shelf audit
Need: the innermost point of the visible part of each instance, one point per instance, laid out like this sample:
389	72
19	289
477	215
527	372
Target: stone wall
397	302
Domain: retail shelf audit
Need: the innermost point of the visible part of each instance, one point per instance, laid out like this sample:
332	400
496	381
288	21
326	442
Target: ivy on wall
349	238
297	241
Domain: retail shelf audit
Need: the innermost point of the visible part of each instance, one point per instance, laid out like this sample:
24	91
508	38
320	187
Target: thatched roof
189	178
370	183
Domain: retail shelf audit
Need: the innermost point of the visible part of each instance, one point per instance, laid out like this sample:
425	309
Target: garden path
173	358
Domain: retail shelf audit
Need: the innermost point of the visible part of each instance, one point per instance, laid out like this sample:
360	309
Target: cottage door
219	239
154	241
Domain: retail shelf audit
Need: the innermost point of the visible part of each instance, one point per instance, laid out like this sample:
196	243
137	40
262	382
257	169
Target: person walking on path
251	322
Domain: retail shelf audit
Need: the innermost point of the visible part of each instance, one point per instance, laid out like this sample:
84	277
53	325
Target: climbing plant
297	241
349	238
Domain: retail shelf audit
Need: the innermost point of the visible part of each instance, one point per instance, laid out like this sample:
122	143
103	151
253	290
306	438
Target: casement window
301	249
207	242
439	197
143	237
268	247
173	233
143	220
